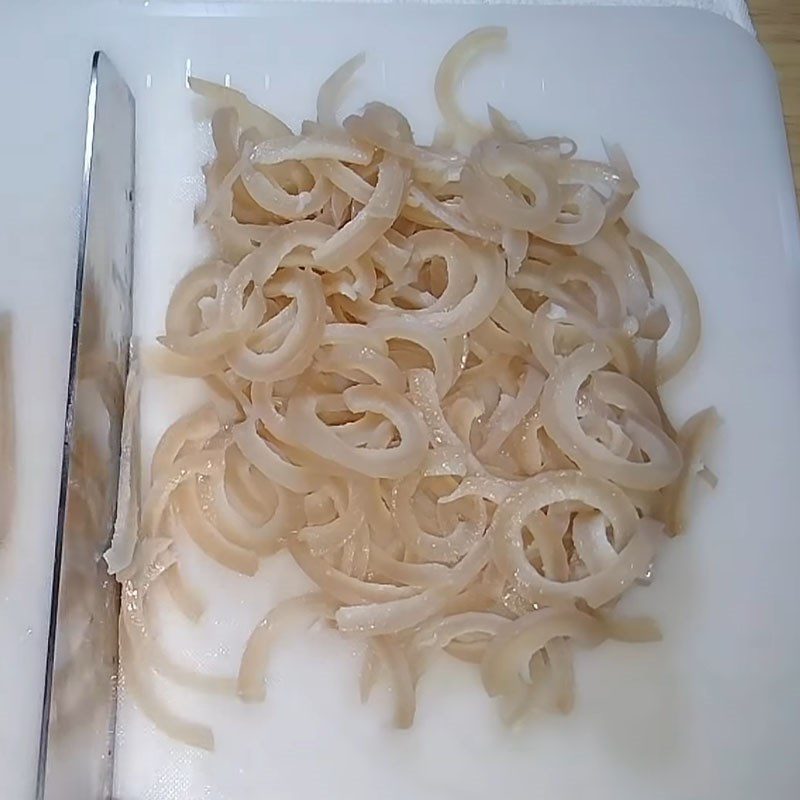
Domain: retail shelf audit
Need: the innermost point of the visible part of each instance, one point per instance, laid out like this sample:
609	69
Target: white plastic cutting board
714	710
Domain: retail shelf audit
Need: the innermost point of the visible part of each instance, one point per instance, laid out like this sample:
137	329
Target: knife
76	743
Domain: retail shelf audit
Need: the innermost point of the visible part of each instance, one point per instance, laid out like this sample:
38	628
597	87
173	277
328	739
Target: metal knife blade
79	708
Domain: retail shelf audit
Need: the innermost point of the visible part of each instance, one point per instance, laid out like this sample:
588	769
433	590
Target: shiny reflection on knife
79	705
